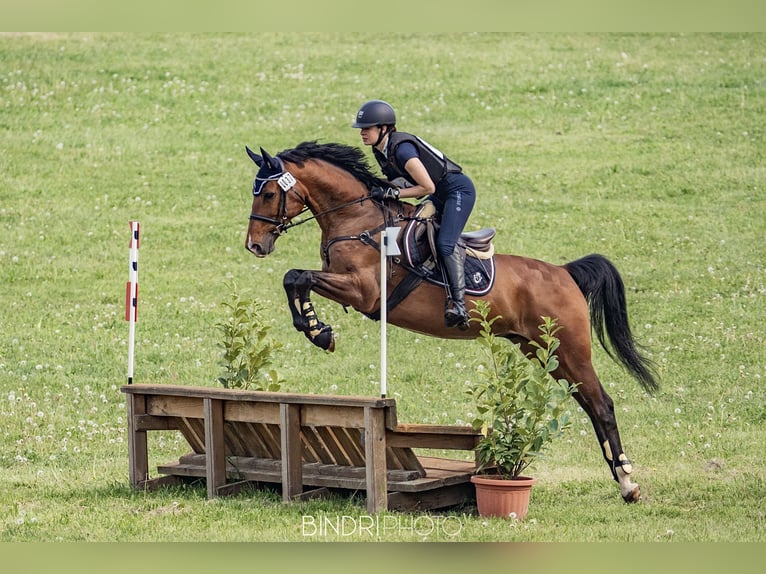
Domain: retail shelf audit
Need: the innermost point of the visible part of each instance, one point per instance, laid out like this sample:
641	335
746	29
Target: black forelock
349	158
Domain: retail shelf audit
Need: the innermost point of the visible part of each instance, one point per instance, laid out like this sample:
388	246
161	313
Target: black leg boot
455	314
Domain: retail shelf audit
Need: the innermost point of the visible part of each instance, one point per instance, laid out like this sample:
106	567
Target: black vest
436	163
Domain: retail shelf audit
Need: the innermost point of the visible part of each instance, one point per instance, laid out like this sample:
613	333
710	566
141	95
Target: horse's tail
604	290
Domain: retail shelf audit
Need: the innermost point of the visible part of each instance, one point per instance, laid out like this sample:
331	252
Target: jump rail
307	443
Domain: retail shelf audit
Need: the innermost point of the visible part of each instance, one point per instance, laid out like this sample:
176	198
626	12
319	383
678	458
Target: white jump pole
388	248
131	296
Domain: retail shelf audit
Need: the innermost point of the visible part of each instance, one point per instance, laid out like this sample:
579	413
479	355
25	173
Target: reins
391	216
286	182
281	225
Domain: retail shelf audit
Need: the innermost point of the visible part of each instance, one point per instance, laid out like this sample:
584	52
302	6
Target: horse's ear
270	161
254	156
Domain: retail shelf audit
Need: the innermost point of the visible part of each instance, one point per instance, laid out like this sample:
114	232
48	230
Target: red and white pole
131	296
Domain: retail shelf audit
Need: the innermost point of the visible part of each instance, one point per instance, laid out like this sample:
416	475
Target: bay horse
330	183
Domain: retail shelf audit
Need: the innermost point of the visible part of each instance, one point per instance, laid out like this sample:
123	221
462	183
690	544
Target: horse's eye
268	195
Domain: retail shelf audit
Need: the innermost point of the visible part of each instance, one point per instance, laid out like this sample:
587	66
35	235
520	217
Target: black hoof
325	339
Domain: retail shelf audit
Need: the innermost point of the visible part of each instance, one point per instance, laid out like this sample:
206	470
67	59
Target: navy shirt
404	153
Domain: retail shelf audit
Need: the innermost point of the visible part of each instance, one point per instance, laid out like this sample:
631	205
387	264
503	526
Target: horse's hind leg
599	406
298	284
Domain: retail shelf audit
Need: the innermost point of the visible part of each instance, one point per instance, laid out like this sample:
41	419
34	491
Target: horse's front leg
298	284
357	290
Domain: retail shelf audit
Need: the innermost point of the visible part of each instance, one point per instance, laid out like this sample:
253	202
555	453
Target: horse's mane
345	157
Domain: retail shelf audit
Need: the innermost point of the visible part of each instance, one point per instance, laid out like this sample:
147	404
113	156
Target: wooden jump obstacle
310	444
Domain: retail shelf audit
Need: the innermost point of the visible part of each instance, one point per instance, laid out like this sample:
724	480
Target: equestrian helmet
375	113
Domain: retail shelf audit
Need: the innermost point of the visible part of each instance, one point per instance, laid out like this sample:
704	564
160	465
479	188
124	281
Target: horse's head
275	202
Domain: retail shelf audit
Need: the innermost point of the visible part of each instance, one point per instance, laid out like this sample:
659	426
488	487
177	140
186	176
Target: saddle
419	251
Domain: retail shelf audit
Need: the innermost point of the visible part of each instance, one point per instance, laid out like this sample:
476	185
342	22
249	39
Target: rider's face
370	135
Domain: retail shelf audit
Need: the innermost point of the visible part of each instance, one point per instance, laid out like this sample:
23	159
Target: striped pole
131	296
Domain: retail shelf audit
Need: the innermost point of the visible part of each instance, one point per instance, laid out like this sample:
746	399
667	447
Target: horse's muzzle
258	249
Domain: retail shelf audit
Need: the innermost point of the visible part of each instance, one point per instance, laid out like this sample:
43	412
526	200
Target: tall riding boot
455	313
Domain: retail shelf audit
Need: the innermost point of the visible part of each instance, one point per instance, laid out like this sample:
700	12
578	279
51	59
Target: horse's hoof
325	339
633	496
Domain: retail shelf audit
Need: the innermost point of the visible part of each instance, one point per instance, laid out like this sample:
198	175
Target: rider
423	170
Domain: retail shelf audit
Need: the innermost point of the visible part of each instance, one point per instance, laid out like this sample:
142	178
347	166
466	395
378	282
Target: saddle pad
479	273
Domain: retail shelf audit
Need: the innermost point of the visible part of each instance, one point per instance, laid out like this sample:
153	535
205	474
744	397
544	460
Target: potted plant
520	409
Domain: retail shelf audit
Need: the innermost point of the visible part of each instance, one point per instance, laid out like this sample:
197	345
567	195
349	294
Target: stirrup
455	315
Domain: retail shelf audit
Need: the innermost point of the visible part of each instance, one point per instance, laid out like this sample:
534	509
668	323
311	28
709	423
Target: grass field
649	149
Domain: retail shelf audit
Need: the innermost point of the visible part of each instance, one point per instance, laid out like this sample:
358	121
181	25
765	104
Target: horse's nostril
255	248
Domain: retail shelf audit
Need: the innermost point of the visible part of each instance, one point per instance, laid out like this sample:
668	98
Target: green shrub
521	407
248	349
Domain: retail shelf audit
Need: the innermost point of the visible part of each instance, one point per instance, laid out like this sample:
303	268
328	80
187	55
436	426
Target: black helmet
375	113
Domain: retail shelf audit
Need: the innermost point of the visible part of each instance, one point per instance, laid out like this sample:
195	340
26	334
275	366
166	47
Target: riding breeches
454	200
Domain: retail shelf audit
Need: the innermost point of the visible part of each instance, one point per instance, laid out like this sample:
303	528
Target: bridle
286	182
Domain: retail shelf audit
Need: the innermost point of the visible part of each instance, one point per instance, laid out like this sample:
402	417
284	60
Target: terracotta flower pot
502	498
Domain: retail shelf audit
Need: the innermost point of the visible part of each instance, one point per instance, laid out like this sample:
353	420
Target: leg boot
455	314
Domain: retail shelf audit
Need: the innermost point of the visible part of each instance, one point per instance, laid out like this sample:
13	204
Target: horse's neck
334	198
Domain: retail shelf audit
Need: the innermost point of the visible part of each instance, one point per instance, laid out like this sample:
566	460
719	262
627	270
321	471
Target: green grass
646	148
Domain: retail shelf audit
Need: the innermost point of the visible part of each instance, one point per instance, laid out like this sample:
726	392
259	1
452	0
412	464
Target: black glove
380	193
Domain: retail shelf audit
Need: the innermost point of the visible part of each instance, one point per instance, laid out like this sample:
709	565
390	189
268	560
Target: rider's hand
380	193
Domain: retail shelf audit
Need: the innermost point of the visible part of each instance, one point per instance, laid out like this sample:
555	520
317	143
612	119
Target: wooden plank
251	412
392	460
351	446
215	455
434	436
241	466
151	422
161	405
292	467
333	415
443	497
236	444
258	443
436	429
375	451
405	459
194	433
138	450
448	464
271	435
430	489
256	396
314	449
330	441
440	473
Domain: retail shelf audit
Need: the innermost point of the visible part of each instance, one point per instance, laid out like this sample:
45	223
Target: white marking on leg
627	467
629	490
607	451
